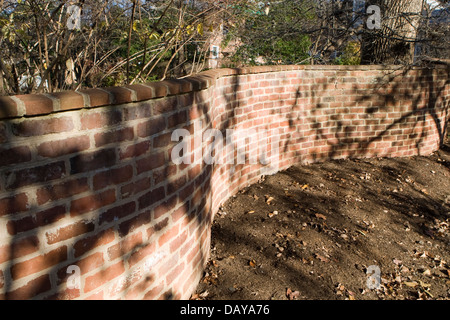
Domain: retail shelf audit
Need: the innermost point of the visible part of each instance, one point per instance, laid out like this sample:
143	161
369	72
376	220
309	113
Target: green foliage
276	38
351	55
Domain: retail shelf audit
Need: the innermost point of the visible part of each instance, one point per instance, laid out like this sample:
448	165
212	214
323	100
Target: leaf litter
312	232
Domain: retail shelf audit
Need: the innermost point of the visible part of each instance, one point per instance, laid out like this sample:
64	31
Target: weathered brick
70	231
92	161
104	276
69	100
92	202
151	197
40	174
31	289
14	204
134	150
153	161
29	128
50	216
102	119
108	137
136	187
117	213
151	127
39	263
89	243
112	177
61	190
59	148
135	222
36	104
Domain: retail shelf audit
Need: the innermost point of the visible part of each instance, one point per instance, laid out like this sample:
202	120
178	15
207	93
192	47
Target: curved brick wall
86	178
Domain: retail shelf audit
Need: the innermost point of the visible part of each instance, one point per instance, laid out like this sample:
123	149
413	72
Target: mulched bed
315	231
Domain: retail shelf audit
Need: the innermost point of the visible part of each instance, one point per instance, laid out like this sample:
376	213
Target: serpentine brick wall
92	205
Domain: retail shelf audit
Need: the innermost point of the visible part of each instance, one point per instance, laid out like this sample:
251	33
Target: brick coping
29	105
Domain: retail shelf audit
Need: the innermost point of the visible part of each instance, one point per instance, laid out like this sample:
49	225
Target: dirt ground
315	231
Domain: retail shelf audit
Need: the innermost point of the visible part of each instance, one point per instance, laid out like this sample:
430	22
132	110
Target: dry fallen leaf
292	295
273	214
269	199
321	216
427	273
322	258
397	262
411	284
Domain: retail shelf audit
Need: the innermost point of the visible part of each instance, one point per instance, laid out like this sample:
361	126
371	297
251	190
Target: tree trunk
394	43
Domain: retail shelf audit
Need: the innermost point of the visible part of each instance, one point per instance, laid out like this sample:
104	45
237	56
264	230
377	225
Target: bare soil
315	231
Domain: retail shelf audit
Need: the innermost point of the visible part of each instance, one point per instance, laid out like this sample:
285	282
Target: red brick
136	187
14	204
165	207
142	92
141	253
92	202
92	161
36	104
96	296
135	150
178	242
178	86
39	263
117	213
177	119
54	149
164	106
175	273
160	89
14	155
153	161
24	224
97	97
70	231
23	247
132	224
112	177
97	120
29	128
104	276
154	293
151	127
31	289
26	177
8	108
62	190
69	100
120	135
85	245
160	175
66	294
168	235
151	198
162	141
176	185
120	95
